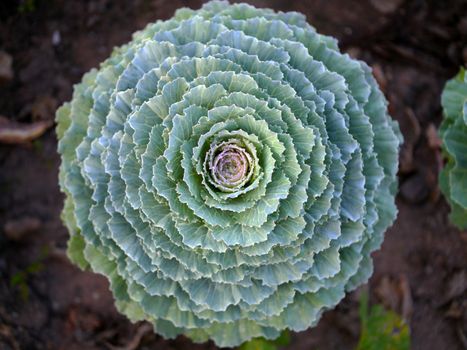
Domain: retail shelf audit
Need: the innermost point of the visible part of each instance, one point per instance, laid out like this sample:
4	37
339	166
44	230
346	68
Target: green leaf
381	329
265	344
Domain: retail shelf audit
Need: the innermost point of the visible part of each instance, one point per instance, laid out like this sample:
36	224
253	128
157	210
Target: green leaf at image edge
453	132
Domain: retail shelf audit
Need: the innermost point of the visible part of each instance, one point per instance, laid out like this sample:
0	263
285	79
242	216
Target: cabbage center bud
230	165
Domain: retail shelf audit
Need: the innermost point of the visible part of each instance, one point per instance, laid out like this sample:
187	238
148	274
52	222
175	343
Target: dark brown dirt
414	46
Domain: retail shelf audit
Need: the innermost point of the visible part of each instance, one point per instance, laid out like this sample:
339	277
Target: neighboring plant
453	134
381	329
230	172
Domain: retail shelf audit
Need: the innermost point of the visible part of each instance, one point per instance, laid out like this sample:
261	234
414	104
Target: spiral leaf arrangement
229	171
453	133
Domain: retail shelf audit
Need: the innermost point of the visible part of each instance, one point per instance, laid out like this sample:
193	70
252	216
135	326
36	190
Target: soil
421	269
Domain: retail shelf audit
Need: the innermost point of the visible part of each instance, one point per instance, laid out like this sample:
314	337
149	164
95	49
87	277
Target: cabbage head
453	133
229	171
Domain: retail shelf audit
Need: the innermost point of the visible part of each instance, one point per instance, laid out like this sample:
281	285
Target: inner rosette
231	165
252	196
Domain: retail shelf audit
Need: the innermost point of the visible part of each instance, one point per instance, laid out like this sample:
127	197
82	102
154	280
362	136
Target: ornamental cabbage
453	133
229	171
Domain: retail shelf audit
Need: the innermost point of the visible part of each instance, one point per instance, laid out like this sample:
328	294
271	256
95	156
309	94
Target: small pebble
56	38
414	190
386	7
6	67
